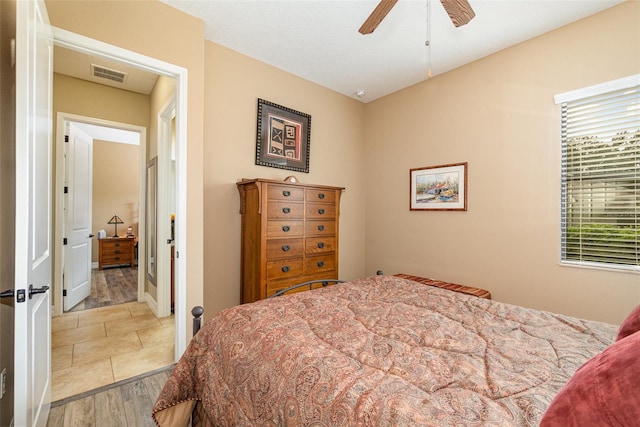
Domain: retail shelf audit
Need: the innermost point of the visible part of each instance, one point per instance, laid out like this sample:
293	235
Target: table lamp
115	220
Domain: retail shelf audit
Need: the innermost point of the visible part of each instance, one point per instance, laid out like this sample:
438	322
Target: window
600	204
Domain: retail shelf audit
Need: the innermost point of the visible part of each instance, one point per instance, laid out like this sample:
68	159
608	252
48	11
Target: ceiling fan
459	11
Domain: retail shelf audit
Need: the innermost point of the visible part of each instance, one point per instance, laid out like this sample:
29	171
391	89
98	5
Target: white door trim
95	47
58	267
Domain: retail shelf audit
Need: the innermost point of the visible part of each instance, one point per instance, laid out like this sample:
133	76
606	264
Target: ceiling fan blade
459	11
377	16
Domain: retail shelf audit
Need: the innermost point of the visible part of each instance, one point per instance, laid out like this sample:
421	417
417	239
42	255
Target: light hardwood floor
111	286
127	403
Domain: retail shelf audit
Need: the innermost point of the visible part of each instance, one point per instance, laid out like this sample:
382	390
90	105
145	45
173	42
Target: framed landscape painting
441	188
283	137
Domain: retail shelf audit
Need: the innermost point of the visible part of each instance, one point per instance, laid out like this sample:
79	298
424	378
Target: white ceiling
319	40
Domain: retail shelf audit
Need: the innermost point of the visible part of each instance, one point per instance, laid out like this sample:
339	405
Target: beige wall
162	91
498	115
75	96
115	188
159	31
233	84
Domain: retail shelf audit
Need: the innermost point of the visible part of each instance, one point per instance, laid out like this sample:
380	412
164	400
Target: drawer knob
286	210
117	258
285	228
321	228
286	193
321	245
321	211
117	252
321	196
320	264
285	268
116	244
285	248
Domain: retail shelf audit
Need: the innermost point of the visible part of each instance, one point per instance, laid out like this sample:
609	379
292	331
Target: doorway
95	48
102	163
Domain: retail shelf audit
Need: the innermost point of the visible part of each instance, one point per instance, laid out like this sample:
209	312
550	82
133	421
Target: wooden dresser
116	251
289	235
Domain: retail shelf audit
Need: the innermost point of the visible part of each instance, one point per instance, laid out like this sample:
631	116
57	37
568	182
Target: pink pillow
603	392
630	325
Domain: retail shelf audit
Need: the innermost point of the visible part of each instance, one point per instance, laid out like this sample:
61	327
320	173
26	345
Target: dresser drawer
320	195
319	264
320	228
282	269
116	259
319	245
284	192
110	246
320	211
277	228
281	210
284	248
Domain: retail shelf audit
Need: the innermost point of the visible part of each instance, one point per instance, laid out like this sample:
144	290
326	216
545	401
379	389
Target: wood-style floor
126	403
110	286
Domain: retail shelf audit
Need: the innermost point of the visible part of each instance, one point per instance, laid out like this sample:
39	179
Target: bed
378	351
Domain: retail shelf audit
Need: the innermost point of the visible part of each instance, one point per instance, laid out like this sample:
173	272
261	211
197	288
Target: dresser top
246	181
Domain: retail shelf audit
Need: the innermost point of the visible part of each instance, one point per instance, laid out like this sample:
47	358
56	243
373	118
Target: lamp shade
115	220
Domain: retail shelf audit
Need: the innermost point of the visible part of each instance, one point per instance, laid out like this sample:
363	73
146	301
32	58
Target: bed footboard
310	283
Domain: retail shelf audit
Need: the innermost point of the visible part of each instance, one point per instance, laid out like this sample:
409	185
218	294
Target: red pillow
630	325
603	392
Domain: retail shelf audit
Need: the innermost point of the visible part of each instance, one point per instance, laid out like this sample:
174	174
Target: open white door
33	240
77	225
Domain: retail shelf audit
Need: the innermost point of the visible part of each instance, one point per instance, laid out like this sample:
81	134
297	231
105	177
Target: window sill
613	268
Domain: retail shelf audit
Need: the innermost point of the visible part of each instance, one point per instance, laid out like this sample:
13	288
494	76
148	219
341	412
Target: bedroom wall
233	84
115	188
174	37
498	115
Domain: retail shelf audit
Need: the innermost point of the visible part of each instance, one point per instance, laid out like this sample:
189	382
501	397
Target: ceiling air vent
107	73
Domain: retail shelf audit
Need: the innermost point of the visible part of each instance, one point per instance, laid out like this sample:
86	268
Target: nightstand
116	251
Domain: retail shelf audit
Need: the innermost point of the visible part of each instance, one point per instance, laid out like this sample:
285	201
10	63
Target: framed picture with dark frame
283	137
442	188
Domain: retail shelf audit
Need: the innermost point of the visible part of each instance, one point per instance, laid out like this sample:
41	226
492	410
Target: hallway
99	346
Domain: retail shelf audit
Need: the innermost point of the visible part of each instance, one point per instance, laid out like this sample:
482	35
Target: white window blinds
601	178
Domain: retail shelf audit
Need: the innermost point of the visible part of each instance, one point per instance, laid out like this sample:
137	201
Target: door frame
59	223
165	116
85	44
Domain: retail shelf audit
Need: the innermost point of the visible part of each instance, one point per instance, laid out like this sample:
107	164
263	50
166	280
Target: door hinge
64	240
66	189
64	292
66	138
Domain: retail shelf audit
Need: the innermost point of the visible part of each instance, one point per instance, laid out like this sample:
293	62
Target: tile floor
100	346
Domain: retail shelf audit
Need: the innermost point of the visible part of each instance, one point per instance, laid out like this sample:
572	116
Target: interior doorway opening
102	163
153	338
179	75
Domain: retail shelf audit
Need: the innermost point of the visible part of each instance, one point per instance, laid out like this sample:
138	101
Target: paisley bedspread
379	351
